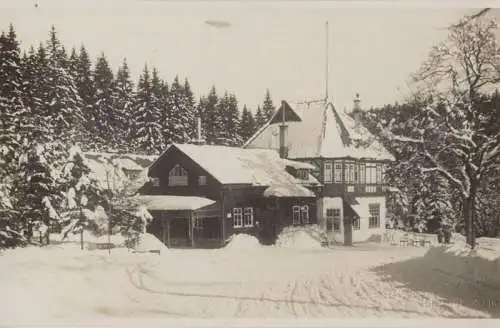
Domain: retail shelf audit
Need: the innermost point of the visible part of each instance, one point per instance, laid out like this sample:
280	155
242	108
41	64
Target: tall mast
326	62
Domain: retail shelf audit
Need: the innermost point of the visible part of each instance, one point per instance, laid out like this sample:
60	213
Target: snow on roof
106	168
288	190
322	132
172	203
233	165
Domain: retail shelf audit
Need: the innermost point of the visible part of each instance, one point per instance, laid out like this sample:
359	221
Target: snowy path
260	283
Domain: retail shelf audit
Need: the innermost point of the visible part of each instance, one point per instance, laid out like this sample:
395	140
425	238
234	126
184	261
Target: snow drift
481	264
147	242
243	241
307	237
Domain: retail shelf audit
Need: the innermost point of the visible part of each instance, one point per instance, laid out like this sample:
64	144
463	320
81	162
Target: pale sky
280	46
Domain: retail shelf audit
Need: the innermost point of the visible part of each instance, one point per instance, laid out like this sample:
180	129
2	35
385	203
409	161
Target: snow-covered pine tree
268	108
14	117
86	90
208	112
247	124
104	123
123	99
147	132
228	120
62	103
85	201
189	110
180	116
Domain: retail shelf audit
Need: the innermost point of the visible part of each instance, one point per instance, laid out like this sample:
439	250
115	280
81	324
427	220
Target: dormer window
177	176
302	174
202	180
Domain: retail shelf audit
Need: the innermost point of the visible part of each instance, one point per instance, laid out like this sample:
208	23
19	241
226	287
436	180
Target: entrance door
348	230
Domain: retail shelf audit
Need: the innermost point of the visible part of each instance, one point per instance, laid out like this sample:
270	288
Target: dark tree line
52	100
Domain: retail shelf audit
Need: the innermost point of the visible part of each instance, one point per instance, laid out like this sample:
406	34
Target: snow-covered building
200	195
348	161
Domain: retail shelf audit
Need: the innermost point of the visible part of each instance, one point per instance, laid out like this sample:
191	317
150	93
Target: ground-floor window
243	217
374	218
300	214
356	223
248	217
238	217
333	219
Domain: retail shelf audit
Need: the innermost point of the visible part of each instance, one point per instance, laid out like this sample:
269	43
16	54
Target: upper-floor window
379	173
328	172
303	174
362	175
177	176
338	172
371	173
202	180
350	172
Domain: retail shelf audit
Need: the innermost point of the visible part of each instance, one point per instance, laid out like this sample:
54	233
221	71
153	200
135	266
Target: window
362	175
177	176
303	174
356	223
237	217
248	217
328	172
338	172
300	214
379	173
370	188
355	173
374	218
202	180
304	213
333	219
384	168
296	214
350	175
371	173
155	182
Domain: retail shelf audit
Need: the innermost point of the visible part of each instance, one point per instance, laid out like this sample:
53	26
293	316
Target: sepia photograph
248	160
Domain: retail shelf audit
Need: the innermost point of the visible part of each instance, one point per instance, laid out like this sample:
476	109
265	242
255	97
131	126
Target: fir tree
268	108
103	120
85	86
146	116
180	113
208	112
260	120
122	106
247	124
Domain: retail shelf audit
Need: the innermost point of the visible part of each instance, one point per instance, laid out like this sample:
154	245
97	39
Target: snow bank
243	241
308	237
481	264
148	242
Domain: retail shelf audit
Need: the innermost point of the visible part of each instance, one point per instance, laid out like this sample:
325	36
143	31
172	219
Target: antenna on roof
326	62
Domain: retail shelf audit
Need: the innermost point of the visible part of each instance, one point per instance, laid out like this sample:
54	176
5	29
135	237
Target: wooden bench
105	245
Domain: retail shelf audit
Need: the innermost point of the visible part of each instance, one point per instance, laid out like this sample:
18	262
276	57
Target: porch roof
173	203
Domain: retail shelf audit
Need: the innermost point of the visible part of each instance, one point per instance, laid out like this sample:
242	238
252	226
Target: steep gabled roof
233	165
321	132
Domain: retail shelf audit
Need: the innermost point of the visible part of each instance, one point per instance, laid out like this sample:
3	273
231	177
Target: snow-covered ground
64	282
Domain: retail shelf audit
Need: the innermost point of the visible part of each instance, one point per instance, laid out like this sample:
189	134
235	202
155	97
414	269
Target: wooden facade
238	208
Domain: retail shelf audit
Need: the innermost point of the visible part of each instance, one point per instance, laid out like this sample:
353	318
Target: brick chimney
283	132
356	110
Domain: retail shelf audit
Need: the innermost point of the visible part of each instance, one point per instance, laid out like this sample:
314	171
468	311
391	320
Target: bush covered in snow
243	241
307	237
